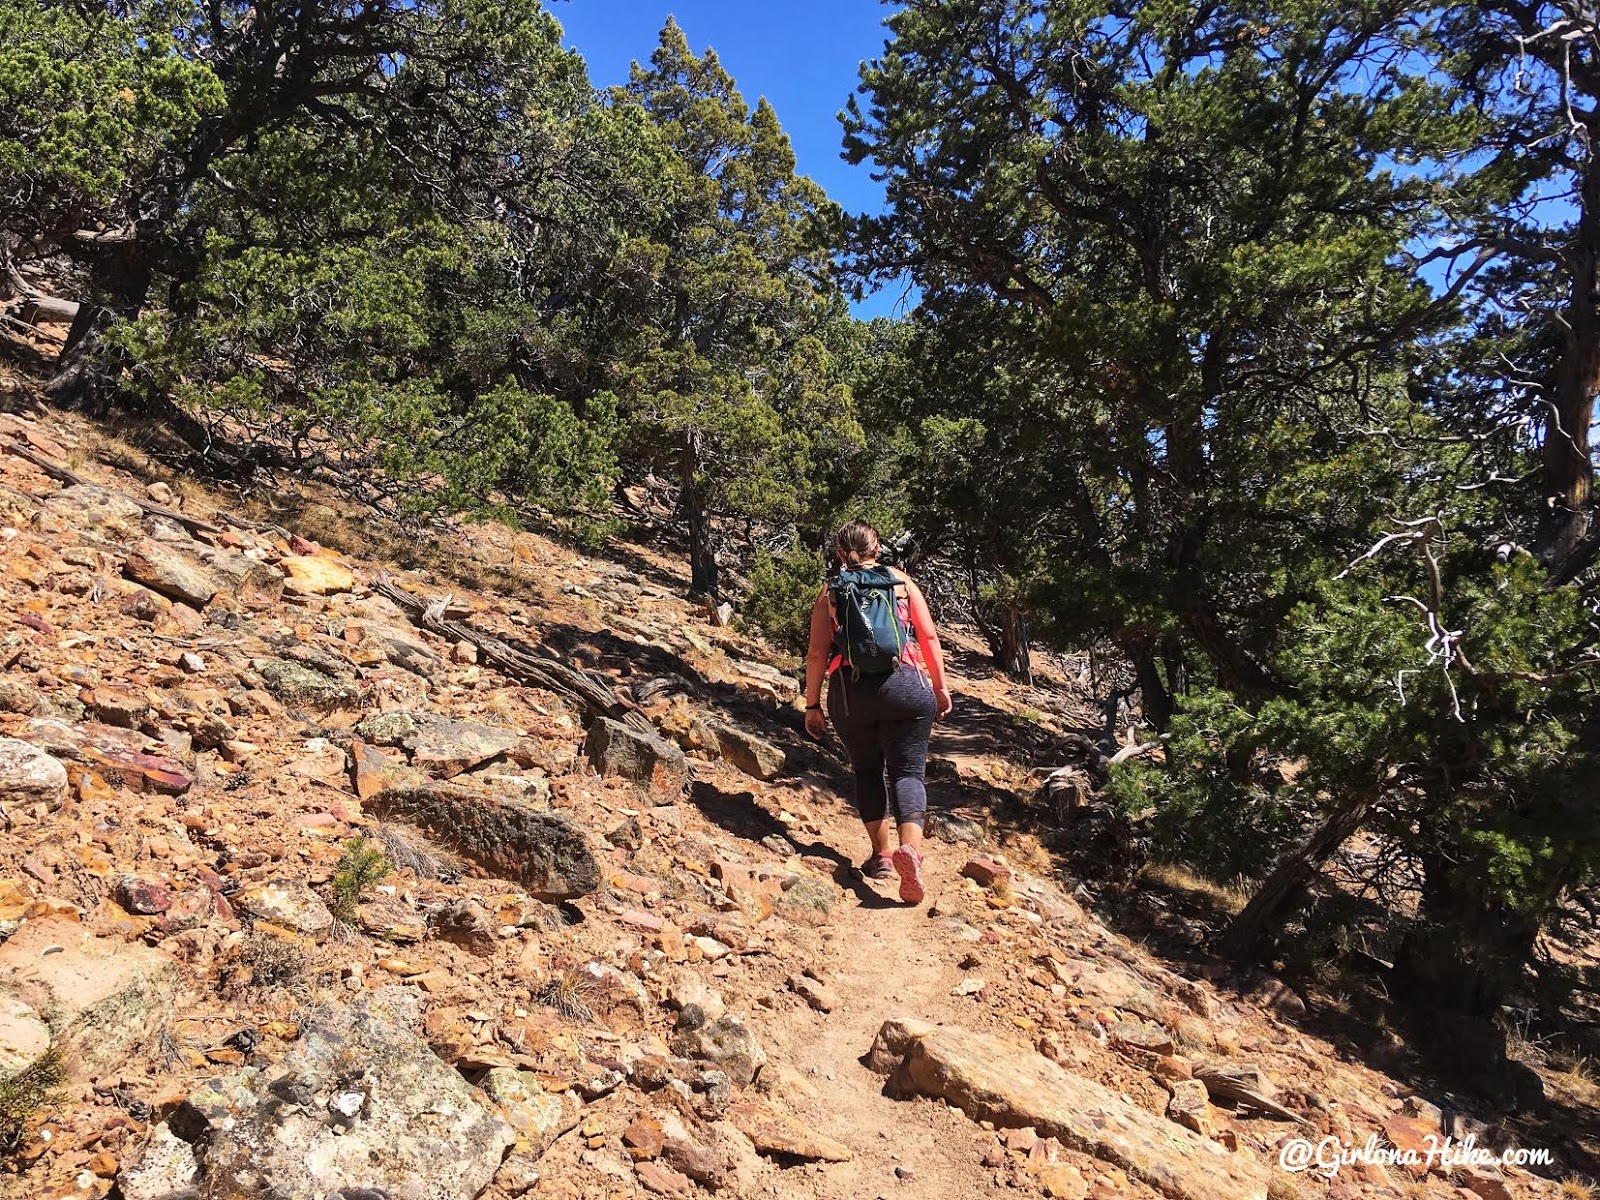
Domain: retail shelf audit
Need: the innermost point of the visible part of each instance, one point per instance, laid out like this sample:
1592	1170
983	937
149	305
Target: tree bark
703	573
1244	932
86	376
1568	468
1016	657
1154	697
1008	641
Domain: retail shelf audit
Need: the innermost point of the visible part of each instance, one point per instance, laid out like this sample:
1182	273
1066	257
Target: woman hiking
874	640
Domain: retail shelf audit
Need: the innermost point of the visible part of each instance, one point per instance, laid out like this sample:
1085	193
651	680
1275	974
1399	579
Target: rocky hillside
324	879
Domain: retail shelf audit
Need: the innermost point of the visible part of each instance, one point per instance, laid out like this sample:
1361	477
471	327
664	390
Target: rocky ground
614	943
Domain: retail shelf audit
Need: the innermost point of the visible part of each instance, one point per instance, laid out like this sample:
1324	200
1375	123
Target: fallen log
1238	1084
536	666
72	479
37	307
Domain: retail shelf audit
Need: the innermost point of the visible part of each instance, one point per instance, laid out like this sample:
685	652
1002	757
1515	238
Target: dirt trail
884	959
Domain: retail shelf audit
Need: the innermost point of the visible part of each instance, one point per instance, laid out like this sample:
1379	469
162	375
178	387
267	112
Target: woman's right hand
942	704
816	723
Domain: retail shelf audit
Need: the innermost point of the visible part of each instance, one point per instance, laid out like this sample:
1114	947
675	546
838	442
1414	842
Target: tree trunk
1009	644
86	376
1237	670
1154	697
1244	932
1568	469
1016	657
703	573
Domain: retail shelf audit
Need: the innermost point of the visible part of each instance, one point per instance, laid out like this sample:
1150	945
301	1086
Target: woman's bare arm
817	651
927	632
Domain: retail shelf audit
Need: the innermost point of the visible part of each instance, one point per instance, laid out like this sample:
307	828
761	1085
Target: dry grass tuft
569	993
408	850
1228	897
25	1094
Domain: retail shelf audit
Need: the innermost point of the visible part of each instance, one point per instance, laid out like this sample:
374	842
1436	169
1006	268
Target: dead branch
536	666
1242	1085
72	479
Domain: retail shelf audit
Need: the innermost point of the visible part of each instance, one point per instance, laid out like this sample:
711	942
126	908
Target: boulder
648	760
1190	1106
539	1117
302	686
387	729
542	851
316	575
750	754
895	1038
142	896
725	1042
776	1132
29	775
120	756
254	584
374	771
360	1106
98	510
104	998
807	900
167	1166
991	1080
986	872
173	570
287	902
445	747
24	1036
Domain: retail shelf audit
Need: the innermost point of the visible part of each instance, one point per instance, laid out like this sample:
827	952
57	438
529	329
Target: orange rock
1415	1134
92	789
14	900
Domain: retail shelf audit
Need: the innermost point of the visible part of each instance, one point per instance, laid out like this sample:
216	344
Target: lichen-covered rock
287	902
725	1042
360	1106
28	774
166	1166
172	570
445	747
538	1116
807	900
98	510
299	685
103	998
387	729
539	850
648	760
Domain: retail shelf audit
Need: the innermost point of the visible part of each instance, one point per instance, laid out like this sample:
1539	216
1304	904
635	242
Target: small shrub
24	1094
569	993
361	867
408	850
782	591
272	961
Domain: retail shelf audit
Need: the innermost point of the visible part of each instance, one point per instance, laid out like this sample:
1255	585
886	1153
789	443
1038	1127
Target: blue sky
802	56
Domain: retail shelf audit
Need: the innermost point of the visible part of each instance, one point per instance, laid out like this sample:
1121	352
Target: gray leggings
884	722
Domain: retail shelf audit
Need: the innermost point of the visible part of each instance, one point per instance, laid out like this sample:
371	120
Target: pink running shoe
909	863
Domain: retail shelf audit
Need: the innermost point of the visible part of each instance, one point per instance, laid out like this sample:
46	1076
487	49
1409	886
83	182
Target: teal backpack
870	636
